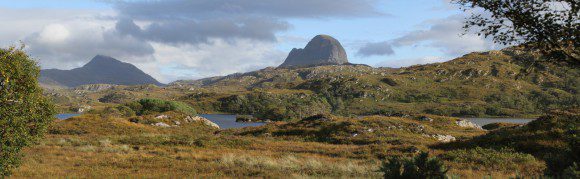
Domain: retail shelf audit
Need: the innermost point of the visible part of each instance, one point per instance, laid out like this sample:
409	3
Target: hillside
100	70
496	83
502	83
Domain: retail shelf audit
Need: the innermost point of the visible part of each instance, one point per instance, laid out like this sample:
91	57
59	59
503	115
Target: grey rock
205	121
161	124
321	50
468	124
425	118
443	138
162	117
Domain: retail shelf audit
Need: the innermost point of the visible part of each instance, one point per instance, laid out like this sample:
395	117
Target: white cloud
72	43
446	35
216	58
174	39
53	33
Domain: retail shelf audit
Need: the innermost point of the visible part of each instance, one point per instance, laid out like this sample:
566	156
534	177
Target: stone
321	50
466	123
425	118
161	124
203	120
83	109
443	138
161	117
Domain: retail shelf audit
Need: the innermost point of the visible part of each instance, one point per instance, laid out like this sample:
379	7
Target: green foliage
572	172
114	97
421	166
276	107
552	138
495	160
550	26
151	106
24	112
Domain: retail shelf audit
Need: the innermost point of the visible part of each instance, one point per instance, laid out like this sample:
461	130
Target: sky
191	39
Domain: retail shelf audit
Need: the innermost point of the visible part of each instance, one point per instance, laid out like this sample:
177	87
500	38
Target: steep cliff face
321	50
100	70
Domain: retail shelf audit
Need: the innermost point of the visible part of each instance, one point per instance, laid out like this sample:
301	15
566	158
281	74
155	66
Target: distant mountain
321	50
100	70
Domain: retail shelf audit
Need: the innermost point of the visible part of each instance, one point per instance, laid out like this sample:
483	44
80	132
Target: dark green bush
24	112
151	106
421	166
115	97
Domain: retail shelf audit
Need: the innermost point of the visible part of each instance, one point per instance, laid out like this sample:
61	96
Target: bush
150	106
422	166
552	138
24	112
495	160
114	98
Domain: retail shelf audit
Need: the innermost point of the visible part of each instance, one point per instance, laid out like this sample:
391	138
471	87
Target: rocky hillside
100	70
506	83
510	82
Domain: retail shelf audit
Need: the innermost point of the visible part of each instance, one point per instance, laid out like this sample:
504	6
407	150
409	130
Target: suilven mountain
100	70
321	50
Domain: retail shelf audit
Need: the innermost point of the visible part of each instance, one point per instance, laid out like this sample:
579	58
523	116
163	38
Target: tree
24	112
549	26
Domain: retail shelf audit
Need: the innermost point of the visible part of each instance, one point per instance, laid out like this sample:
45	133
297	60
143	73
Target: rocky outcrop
443	138
203	120
468	124
161	124
321	50
94	87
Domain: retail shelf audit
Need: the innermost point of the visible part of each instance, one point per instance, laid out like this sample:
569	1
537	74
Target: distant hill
510	82
100	70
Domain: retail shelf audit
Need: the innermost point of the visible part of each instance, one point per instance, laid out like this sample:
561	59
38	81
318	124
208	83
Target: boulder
161	124
443	138
466	123
321	50
203	120
161	117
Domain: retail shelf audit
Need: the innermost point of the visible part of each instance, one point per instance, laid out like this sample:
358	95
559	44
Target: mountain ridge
100	70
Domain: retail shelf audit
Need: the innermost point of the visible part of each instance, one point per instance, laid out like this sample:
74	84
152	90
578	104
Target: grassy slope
93	146
497	83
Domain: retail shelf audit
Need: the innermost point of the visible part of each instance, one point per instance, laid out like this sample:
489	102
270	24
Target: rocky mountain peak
321	50
104	61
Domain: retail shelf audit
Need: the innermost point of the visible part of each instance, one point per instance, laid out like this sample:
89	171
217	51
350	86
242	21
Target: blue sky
171	42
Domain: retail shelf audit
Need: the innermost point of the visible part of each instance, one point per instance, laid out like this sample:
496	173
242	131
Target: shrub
552	138
126	111
150	106
495	160
421	166
24	112
114	98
